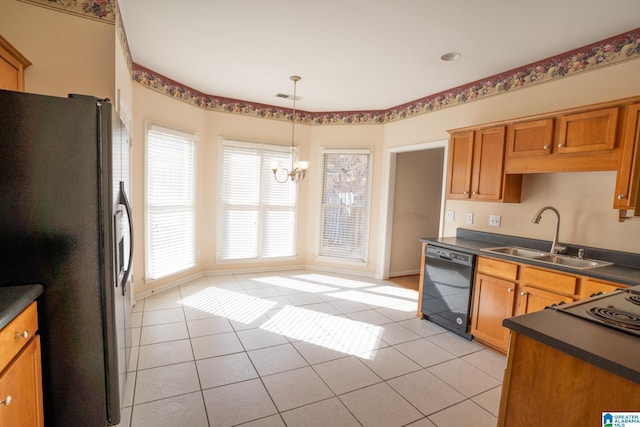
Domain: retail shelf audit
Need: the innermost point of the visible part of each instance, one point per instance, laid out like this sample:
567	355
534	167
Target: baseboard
183	280
404	273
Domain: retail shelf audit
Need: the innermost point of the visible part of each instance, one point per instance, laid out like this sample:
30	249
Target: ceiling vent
286	96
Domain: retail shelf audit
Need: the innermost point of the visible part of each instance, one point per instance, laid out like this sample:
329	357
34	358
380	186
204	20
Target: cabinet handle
546	146
522	294
621	196
474	193
510	290
6	401
466	193
24	334
560	145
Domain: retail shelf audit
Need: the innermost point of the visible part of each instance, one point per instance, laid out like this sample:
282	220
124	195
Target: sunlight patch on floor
332	332
396	291
232	305
368	298
333	280
300	285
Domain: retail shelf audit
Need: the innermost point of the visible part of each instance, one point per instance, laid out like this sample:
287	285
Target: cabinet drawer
549	280
497	268
12	336
592	286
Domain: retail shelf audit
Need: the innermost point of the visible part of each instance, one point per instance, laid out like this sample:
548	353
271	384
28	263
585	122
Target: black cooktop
619	310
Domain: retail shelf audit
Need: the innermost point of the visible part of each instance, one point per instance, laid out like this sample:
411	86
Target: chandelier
298	169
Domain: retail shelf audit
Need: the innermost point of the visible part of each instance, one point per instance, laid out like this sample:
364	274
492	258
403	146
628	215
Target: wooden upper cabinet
628	178
460	164
476	167
12	65
589	131
488	164
534	138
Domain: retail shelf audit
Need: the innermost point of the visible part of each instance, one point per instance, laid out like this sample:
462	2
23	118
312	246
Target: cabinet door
532	299
590	131
460	163
488	164
527	139
12	65
628	178
22	382
493	301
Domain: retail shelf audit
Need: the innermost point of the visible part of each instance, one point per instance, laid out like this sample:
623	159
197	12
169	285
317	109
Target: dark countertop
625	268
601	346
14	299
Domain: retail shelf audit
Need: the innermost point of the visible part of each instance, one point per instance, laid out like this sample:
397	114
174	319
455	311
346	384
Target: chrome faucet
555	248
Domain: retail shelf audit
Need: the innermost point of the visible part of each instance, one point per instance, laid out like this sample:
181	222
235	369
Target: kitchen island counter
614	351
565	370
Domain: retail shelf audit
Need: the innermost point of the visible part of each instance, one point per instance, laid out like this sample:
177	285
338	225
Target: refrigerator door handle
122	199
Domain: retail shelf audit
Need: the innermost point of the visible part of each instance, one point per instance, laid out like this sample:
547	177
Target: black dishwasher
446	289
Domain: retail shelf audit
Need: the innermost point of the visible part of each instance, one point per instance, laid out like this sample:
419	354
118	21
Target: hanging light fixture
298	168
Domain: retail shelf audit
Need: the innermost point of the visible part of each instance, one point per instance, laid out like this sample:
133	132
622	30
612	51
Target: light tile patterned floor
301	348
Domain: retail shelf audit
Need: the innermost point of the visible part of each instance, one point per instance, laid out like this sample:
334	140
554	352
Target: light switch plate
450	215
494	220
469	217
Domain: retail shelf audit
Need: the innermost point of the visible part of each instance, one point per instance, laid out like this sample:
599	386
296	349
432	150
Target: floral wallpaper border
99	10
617	49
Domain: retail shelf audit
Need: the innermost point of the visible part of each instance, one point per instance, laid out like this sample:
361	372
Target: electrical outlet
494	220
469	217
450	215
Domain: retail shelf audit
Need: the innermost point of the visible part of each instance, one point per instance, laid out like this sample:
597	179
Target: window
257	216
170	201
346	188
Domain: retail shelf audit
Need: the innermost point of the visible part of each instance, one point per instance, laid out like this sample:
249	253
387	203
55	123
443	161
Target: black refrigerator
65	222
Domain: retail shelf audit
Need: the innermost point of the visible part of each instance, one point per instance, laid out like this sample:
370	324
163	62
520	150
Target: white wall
69	54
416	207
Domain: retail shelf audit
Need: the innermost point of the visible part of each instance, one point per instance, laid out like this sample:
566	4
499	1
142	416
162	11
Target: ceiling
356	54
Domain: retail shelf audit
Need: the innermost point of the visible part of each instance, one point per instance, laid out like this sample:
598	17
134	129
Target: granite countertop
625	268
14	299
614	351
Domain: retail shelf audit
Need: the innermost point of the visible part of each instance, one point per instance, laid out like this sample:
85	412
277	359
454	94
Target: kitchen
569	192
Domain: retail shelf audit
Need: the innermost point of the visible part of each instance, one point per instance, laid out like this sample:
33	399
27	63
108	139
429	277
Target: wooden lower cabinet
21	372
493	301
541	383
534	299
21	389
503	289
590	286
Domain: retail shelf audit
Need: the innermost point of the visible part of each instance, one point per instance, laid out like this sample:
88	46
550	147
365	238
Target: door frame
388	193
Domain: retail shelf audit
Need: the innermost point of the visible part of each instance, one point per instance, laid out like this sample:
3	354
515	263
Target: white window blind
257	216
346	188
170	201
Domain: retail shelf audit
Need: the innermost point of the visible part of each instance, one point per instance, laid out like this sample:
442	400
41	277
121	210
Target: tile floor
302	348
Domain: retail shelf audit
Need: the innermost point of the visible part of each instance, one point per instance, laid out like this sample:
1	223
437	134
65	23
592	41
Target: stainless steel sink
574	262
519	252
565	260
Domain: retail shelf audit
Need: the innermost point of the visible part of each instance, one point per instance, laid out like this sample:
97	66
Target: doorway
415	205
